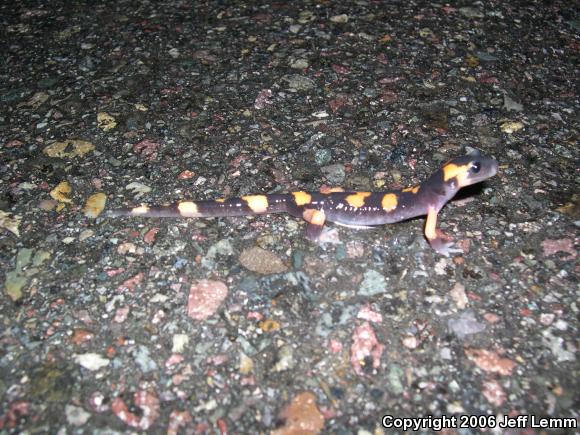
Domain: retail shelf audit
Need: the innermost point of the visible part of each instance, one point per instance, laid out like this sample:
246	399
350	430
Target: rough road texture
112	103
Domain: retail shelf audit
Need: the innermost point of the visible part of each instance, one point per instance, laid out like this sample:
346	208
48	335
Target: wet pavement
242	325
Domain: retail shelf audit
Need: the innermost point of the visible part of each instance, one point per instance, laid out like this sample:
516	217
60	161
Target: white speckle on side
357	227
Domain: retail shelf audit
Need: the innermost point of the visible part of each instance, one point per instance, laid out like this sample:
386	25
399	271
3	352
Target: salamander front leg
436	238
315	219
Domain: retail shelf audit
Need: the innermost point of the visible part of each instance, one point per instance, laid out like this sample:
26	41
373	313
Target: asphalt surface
242	325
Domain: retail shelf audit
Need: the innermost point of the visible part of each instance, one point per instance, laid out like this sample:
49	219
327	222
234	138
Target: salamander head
469	169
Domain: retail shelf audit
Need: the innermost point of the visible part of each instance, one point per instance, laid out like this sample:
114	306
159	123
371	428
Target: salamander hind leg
438	241
315	219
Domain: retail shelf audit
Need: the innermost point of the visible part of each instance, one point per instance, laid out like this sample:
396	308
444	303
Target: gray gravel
240	325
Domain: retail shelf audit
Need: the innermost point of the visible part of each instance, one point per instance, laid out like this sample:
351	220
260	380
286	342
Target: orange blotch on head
411	189
460	172
188	209
357	200
302	198
389	202
257	203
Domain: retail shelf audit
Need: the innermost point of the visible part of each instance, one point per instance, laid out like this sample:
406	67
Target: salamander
355	209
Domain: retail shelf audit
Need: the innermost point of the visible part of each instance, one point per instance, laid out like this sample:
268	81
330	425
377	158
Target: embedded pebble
373	283
261	261
205	297
465	324
91	361
342	18
76	416
335	174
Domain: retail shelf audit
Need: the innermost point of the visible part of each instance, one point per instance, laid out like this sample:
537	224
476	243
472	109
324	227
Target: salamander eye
475	167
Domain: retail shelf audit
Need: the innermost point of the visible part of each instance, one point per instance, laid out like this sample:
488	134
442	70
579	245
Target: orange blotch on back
188	209
411	189
257	203
389	202
140	210
316	217
357	200
302	198
325	190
